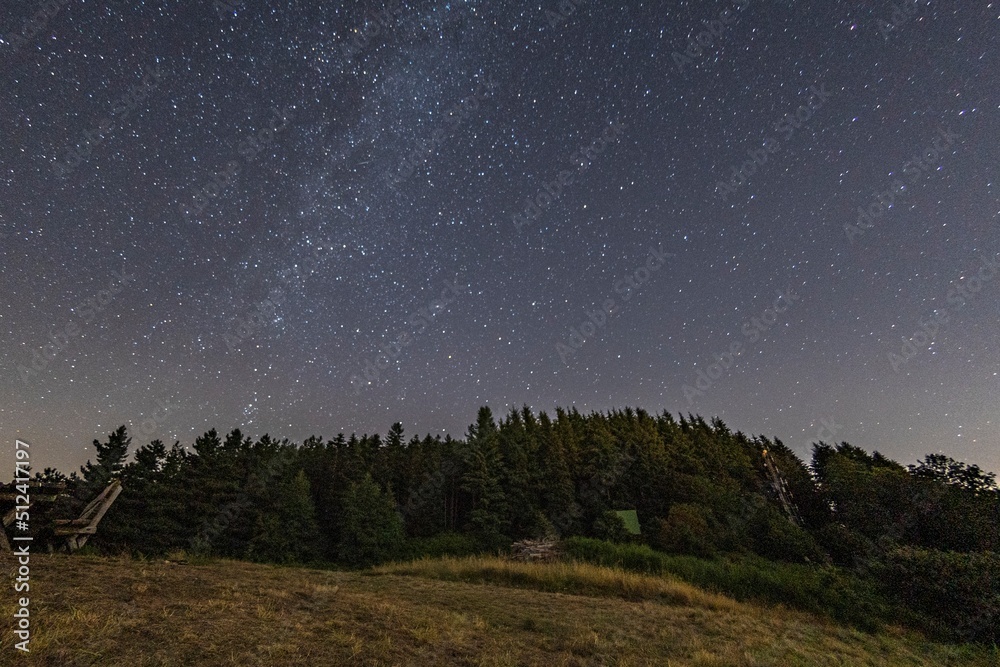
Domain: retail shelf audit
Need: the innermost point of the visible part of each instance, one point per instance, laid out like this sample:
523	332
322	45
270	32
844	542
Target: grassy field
471	611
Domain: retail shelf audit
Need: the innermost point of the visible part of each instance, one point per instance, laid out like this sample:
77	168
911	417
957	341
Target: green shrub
779	539
634	557
828	591
845	546
443	544
688	529
610	526
957	594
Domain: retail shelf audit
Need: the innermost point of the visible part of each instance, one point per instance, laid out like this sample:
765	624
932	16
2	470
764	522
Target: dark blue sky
300	219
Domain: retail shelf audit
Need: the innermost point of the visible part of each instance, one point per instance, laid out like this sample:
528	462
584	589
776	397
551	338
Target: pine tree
553	481
284	524
488	519
371	531
132	521
391	468
526	518
111	457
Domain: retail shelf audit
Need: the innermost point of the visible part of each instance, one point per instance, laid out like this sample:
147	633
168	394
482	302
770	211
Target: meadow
474	611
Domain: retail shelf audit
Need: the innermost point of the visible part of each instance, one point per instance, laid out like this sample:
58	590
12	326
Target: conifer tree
284	526
554	481
371	531
526	519
132	522
111	457
488	519
391	468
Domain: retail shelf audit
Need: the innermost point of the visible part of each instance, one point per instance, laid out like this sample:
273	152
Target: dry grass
108	613
564	577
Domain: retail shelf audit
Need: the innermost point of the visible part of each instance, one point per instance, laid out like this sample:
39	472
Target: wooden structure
781	489
37	492
533	551
78	531
75	531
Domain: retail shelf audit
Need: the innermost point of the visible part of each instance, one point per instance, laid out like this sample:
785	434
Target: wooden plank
107	502
93	505
77	531
85	530
71	522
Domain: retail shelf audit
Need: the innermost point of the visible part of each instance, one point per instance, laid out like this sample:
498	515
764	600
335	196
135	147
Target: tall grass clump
822	590
573	577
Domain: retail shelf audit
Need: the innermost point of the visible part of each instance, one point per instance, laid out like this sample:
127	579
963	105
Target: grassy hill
474	611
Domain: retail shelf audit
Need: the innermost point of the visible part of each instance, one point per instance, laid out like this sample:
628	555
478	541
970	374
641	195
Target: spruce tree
370	529
488	519
553	481
111	457
284	525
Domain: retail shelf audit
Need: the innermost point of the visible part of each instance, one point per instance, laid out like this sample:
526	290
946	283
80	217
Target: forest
922	539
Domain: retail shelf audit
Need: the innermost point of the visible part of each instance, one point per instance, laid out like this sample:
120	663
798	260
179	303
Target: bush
610	526
635	557
957	594
688	529
779	539
845	546
828	591
444	544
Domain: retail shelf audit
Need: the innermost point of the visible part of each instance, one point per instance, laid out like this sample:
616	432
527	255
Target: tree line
697	487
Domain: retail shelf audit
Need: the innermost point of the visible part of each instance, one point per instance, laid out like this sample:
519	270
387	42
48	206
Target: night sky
298	219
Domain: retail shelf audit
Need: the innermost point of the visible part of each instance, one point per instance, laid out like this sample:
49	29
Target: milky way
301	219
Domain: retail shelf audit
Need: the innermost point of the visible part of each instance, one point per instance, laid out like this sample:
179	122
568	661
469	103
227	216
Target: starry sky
300	218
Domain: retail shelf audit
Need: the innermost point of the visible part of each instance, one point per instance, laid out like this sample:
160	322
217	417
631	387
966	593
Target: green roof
631	520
